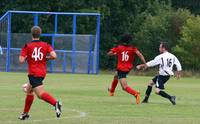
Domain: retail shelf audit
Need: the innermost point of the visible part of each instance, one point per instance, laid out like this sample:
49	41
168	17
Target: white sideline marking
81	115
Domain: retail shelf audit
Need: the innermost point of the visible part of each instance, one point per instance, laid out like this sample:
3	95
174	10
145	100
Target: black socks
148	91
165	95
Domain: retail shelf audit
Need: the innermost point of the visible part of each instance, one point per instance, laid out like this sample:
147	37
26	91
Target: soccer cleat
173	100
58	109
110	93
23	116
137	98
145	100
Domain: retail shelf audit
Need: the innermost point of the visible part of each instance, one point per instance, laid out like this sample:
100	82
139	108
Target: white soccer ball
24	87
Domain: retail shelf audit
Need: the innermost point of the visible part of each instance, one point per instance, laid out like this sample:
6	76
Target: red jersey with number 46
36	52
126	56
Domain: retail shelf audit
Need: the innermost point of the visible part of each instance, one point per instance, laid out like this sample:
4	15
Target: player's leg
39	91
160	89
28	102
38	88
113	85
148	91
129	90
125	87
45	96
162	93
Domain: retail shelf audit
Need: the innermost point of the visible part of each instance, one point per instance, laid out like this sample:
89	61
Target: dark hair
126	39
165	45
36	31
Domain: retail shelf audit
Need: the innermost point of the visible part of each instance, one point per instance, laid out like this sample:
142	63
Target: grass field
85	101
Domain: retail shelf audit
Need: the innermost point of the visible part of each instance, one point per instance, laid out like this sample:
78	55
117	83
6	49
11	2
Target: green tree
192	5
154	29
188	46
165	25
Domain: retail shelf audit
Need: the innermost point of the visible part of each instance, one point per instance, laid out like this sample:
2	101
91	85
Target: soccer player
166	61
37	53
125	54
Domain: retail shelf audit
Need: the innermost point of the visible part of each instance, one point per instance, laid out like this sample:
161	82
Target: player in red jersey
37	53
126	55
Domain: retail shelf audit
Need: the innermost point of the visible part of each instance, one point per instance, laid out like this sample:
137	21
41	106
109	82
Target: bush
188	47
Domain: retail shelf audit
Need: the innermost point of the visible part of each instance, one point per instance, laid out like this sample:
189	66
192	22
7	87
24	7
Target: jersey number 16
169	62
125	56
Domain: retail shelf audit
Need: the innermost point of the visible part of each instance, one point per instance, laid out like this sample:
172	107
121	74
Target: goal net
74	36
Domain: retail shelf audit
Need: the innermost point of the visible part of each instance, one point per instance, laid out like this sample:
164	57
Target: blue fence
77	53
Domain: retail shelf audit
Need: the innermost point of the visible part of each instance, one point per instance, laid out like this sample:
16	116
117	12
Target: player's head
163	47
126	39
36	31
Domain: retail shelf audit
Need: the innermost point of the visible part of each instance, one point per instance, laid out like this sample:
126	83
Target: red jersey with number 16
36	52
126	56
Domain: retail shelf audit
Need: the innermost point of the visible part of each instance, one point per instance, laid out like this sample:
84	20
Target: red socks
113	86
131	91
28	102
45	96
48	98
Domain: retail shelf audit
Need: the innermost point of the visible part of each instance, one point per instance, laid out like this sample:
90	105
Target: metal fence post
73	64
8	43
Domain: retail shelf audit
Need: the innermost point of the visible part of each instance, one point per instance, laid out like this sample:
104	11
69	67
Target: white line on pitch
81	115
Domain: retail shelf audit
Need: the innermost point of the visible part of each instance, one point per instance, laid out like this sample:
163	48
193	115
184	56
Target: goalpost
74	36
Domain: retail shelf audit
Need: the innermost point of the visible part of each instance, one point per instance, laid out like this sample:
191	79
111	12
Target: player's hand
145	67
110	53
47	58
178	75
138	67
142	66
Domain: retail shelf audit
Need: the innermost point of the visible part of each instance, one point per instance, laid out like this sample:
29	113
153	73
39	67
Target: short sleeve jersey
36	52
165	61
125	55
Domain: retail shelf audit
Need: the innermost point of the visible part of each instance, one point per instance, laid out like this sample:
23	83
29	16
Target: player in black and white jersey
166	61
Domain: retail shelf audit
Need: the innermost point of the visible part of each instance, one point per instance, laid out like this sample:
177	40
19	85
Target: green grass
85	101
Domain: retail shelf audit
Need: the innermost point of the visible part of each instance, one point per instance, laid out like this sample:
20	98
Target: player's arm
139	54
52	55
179	68
23	55
178	74
22	59
144	66
154	62
112	52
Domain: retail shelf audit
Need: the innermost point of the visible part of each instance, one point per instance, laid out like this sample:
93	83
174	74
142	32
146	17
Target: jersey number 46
37	54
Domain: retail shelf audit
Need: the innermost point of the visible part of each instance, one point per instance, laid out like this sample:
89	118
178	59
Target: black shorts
160	80
122	74
35	81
